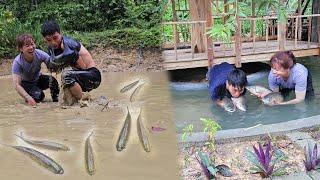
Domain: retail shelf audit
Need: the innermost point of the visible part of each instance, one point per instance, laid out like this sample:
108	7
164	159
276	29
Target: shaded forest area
121	24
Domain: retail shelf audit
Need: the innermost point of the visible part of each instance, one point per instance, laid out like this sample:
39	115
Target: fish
135	92
40	158
240	103
89	157
44	144
129	86
258	90
272	98
142	134
228	105
124	134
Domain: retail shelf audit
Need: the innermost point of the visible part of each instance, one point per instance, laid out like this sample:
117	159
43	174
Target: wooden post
299	20
238	42
175	19
197	13
296	32
309	31
208	12
253	14
175	41
267	32
281	32
254	35
225	10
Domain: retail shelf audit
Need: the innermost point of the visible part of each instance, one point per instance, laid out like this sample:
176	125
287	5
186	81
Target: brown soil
111	60
233	155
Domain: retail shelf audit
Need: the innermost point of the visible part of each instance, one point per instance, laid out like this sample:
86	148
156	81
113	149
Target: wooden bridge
294	34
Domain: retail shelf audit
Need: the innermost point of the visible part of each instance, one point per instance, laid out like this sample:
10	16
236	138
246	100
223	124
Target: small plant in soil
265	159
211	127
311	162
210	170
187	131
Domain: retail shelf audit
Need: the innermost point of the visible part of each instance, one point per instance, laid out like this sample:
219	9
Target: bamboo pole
175	42
175	19
300	20
209	23
254	36
267	32
253	13
238	42
296	33
309	31
192	42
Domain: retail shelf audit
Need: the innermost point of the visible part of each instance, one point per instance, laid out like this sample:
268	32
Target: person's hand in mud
31	101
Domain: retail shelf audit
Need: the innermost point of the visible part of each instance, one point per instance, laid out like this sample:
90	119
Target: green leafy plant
187	131
211	127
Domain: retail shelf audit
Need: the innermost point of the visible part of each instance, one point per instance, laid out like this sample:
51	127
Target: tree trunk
197	13
315	20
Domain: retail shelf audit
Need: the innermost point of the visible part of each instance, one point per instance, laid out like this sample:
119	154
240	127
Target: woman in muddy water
65	51
27	78
286	75
226	82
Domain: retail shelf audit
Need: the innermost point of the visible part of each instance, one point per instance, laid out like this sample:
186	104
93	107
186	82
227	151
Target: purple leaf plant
311	162
264	160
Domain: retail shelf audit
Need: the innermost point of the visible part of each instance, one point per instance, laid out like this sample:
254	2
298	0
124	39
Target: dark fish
272	98
40	158
124	134
224	170
44	144
89	158
129	86
142	134
135	92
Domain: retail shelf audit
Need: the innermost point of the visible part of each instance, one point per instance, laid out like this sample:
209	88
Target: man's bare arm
300	96
85	60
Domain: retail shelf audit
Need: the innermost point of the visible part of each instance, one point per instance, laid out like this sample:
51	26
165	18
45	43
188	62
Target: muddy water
72	125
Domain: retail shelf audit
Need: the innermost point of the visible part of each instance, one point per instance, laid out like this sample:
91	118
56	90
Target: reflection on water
191	105
71	126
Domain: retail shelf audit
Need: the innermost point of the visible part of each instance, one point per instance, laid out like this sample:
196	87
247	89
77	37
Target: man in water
225	82
27	78
65	51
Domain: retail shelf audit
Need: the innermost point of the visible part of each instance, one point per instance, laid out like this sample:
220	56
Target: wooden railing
271	28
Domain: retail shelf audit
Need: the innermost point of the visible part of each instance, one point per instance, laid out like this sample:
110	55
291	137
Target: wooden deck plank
185	61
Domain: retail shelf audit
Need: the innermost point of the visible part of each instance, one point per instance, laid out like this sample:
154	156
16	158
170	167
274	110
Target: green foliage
187	131
211	127
10	28
208	167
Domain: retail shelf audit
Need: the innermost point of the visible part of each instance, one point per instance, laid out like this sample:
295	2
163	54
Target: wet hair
49	28
285	59
237	78
23	39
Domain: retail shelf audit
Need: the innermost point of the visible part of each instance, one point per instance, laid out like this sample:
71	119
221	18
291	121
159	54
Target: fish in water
228	105
272	98
89	158
142	134
135	92
124	134
240	103
258	90
129	86
44	144
40	158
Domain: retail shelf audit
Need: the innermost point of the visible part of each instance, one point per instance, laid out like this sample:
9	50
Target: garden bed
233	154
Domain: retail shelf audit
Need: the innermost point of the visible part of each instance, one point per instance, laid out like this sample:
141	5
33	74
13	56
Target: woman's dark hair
49	28
237	78
23	39
285	59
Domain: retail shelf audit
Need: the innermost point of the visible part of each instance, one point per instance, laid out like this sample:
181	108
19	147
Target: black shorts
35	89
88	79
